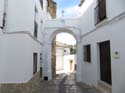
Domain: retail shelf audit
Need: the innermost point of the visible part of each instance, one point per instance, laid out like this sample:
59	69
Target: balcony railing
100	11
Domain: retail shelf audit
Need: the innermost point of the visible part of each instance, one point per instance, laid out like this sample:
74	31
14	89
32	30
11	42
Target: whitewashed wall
70	23
114	8
86	23
16	62
66	51
59	58
111	29
67	59
17	41
115	33
20	15
39	20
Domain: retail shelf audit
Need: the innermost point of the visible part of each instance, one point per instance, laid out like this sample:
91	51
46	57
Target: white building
94	34
65	61
20	39
59	56
106	42
99	32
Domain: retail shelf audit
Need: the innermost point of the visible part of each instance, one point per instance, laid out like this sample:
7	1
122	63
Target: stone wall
53	58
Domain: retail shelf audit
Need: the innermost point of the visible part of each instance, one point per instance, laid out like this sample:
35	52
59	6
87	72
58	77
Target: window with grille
41	2
35	29
87	53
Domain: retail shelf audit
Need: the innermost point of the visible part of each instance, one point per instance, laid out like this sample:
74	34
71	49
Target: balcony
100	11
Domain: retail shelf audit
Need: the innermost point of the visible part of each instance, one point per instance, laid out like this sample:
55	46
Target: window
41	69
35	29
41	57
87	53
73	50
48	3
41	2
4	20
100	11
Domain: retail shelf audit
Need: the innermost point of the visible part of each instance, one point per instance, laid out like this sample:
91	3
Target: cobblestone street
64	84
61	84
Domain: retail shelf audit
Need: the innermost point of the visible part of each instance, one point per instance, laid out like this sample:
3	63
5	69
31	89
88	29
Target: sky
66	38
69	7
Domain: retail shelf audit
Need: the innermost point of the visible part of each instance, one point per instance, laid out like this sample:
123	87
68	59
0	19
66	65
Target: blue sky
68	6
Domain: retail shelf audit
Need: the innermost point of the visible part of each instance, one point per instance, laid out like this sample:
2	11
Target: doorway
34	63
105	62
71	65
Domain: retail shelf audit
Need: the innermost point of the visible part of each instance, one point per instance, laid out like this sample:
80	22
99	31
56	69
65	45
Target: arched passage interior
63	56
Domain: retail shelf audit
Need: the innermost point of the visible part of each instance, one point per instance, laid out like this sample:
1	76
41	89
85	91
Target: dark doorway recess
105	62
34	63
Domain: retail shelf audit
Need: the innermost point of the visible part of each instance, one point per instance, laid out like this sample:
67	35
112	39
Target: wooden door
34	63
105	62
71	65
41	71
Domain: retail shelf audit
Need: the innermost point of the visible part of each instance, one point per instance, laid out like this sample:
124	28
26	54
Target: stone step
103	87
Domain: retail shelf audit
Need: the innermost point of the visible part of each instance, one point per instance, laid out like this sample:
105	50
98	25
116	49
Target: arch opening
63	53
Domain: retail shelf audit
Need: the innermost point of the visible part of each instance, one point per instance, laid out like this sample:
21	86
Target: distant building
65	61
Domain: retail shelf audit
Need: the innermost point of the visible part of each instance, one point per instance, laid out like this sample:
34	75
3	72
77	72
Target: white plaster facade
64	58
17	39
59	58
18	44
67	51
68	67
111	29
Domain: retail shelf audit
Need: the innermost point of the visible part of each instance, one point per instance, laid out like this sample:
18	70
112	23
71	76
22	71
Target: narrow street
61	84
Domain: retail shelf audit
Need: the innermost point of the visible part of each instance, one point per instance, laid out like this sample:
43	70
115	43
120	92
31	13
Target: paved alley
61	84
64	84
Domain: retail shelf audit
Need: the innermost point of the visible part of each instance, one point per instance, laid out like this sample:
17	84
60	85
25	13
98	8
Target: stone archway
53	51
51	34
